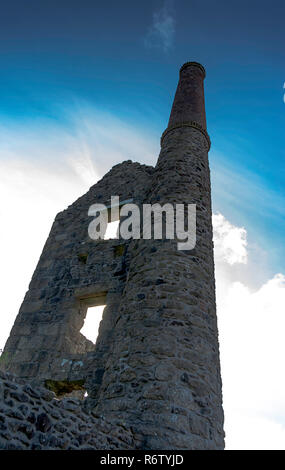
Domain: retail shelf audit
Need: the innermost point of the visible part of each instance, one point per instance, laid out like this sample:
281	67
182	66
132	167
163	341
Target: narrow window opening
91	323
112	230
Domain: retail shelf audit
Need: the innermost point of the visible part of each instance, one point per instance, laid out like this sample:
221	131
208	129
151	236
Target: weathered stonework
34	419
155	369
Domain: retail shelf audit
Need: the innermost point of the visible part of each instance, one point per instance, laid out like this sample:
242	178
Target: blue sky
123	57
85	85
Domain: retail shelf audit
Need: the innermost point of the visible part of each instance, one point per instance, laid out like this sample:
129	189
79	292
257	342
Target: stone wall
32	418
163	374
73	270
155	370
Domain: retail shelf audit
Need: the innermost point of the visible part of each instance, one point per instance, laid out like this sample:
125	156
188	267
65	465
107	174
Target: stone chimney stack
188	109
163	378
189	102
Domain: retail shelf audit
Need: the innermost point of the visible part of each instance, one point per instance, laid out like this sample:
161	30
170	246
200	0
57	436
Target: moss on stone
4	357
119	250
62	387
82	257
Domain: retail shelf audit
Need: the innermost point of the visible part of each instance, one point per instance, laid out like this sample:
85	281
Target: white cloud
43	169
161	33
230	241
250	431
46	168
31	195
251	328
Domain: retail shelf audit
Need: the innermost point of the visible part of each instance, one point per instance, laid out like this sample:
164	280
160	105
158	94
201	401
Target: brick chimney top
188	109
193	64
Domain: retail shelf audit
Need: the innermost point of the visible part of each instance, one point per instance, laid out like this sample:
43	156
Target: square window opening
112	230
92	322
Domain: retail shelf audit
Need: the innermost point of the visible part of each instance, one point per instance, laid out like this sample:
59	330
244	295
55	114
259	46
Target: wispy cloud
243	187
162	31
43	168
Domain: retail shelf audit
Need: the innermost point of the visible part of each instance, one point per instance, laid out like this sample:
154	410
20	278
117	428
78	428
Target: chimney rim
195	64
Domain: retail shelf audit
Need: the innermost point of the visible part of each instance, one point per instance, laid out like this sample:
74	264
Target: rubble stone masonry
154	373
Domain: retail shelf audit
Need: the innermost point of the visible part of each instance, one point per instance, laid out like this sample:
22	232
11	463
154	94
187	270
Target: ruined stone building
153	376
